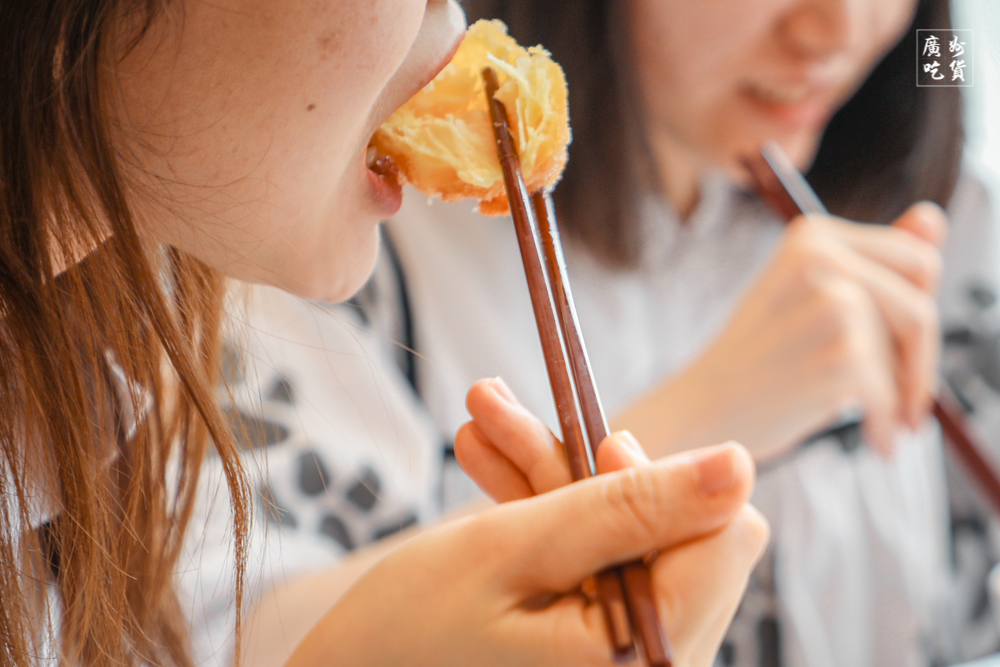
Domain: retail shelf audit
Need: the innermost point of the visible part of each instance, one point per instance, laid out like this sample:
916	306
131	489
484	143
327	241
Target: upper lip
408	83
440	66
821	80
791	91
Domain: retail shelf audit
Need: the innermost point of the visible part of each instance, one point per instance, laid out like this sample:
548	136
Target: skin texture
245	124
249	119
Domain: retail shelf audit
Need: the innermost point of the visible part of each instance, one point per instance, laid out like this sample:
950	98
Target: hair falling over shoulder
71	440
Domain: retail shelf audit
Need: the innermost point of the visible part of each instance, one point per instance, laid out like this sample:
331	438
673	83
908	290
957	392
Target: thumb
557	539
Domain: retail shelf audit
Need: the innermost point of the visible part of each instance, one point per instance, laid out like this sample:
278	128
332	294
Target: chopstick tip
492	83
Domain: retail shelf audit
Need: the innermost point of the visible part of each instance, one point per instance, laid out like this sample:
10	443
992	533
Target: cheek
689	56
889	20
251	125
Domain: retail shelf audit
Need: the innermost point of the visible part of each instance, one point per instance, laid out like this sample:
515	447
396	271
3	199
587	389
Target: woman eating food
707	318
149	151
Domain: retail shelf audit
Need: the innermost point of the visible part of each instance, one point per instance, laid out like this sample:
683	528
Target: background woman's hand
503	587
844	317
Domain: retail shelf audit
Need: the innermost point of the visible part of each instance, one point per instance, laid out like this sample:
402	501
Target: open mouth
790	104
385	182
382	166
791	94
440	35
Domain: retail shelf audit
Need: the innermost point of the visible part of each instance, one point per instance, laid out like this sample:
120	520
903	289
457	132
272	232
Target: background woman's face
721	76
250	120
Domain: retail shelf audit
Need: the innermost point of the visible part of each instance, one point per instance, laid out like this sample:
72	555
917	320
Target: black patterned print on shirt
335	528
232	368
281	391
273	510
253	432
363	494
396	527
313	476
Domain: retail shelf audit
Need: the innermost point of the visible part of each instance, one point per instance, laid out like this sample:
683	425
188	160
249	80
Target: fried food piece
442	140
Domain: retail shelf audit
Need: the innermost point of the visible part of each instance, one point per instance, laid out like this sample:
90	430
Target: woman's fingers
910	315
909	247
513	432
521	457
498	478
619	451
564	536
831	250
860	357
700	585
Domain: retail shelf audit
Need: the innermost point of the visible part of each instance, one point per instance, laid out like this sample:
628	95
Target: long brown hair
891	144
106	368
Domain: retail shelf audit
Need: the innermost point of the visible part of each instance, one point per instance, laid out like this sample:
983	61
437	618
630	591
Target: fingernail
501	388
627	439
714	469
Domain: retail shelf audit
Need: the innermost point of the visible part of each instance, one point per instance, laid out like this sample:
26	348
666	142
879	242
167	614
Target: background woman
148	148
706	317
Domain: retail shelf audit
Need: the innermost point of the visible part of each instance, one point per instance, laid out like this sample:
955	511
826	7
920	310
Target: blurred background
983	97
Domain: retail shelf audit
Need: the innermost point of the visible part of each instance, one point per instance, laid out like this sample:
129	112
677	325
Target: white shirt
860	549
858	574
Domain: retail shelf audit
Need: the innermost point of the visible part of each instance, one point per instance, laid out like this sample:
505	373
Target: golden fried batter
442	141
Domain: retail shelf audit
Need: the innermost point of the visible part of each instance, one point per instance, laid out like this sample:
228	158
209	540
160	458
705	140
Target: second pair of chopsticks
780	184
625	592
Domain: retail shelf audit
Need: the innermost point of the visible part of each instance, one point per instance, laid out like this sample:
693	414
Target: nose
818	28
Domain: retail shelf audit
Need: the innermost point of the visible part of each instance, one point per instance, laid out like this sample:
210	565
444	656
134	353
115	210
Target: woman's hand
503	587
843	318
512	455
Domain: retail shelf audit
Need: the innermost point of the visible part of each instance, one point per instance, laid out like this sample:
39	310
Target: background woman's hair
131	330
891	144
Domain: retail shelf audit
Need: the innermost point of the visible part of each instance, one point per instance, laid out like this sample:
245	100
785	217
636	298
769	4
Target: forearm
286	614
709	403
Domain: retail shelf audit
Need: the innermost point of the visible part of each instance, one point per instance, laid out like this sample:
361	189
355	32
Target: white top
860	550
858	575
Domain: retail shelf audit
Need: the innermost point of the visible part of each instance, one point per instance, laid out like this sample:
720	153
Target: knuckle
634	496
809	244
926	314
755	529
841	304
921	321
848	356
927	268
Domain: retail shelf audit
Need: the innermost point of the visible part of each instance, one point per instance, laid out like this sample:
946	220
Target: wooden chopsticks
783	187
625	592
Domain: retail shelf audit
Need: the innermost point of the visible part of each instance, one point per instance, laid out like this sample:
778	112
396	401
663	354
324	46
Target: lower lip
385	194
812	112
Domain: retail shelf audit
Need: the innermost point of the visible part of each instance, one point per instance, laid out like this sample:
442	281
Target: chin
802	149
800	146
340	279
